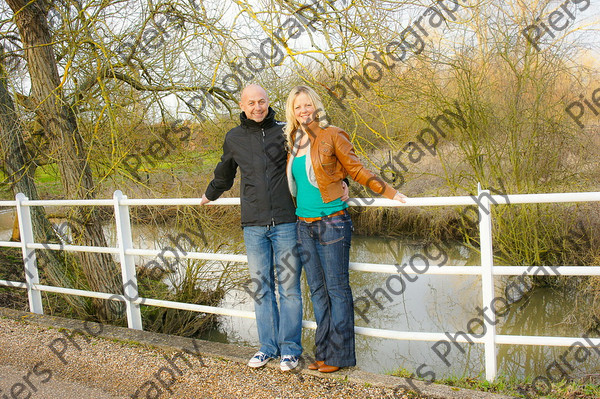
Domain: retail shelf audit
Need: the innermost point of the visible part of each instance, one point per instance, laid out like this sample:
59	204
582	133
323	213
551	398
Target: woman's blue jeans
270	250
325	254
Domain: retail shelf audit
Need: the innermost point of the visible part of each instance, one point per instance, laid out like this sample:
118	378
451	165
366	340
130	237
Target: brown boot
328	369
316	365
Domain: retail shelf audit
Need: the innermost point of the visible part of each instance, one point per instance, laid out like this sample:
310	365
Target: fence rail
125	250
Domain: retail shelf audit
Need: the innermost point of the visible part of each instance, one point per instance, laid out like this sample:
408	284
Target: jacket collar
266	123
312	129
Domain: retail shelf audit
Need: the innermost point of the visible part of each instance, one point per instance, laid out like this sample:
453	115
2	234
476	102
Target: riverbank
11	267
581	386
187	173
136	364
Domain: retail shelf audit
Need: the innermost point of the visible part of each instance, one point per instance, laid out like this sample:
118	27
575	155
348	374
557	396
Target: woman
321	156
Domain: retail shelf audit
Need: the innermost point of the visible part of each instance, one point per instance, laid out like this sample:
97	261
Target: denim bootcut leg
279	332
325	247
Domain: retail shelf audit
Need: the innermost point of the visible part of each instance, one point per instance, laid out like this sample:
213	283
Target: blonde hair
291	123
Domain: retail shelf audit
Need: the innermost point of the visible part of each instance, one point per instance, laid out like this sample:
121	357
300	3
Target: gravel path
44	355
15	381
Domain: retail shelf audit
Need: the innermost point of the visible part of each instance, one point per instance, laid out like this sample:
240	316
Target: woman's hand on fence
400	197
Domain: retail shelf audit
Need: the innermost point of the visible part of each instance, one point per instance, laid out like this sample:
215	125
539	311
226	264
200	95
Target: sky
585	23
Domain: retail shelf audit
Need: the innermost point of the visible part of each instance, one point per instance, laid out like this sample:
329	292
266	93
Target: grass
188	161
190	164
524	389
402	372
500	385
47	174
130	343
579	389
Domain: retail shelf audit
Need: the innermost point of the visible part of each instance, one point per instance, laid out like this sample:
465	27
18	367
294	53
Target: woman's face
304	109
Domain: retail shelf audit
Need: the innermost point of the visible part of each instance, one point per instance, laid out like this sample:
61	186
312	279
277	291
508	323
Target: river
428	303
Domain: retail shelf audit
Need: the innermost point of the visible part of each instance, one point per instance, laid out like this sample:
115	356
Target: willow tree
19	167
65	141
18	162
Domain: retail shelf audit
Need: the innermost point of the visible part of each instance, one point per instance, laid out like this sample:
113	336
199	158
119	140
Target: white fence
126	252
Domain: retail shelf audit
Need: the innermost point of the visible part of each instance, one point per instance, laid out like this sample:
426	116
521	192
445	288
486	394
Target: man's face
255	103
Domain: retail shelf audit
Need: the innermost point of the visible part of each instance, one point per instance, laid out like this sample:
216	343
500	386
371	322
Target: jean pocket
331	232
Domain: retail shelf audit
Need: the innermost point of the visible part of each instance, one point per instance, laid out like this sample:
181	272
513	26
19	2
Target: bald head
254	102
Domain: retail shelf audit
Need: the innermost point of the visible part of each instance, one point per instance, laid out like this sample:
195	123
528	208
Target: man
257	146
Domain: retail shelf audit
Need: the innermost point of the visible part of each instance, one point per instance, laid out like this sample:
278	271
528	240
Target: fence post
130	286
29	259
487	282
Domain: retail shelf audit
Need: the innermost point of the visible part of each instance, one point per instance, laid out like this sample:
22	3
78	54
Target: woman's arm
344	152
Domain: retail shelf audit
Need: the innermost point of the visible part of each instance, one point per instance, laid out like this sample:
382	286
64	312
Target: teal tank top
309	202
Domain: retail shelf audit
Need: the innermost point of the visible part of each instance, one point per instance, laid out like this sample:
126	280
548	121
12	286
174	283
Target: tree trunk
20	169
66	145
18	165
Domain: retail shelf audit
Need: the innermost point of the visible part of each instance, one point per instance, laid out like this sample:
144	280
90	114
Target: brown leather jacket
333	158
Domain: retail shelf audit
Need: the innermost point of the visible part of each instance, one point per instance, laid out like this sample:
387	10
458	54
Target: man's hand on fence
204	200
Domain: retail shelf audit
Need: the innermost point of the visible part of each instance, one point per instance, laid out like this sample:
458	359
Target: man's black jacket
259	150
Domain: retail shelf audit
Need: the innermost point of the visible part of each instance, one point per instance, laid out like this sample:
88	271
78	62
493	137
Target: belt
310	220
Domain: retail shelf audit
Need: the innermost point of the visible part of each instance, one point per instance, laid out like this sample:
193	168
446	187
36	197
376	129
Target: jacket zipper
267	179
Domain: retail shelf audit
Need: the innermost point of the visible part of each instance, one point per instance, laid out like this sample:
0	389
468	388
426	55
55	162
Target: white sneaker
288	362
259	359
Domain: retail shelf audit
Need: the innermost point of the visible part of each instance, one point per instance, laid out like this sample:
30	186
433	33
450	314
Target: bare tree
62	132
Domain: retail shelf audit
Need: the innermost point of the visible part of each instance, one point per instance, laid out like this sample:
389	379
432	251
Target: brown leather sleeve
344	151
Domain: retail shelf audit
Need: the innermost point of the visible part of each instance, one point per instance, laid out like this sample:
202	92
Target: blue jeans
325	249
273	249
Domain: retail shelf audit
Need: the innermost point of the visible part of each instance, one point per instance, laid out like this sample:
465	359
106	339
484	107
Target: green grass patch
47	174
525	389
191	163
402	372
520	388
500	385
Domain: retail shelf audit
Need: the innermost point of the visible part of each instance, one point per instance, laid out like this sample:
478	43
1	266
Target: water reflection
434	304
428	304
439	303
545	312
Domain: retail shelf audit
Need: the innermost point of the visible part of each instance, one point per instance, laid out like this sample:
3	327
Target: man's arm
224	176
346	189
